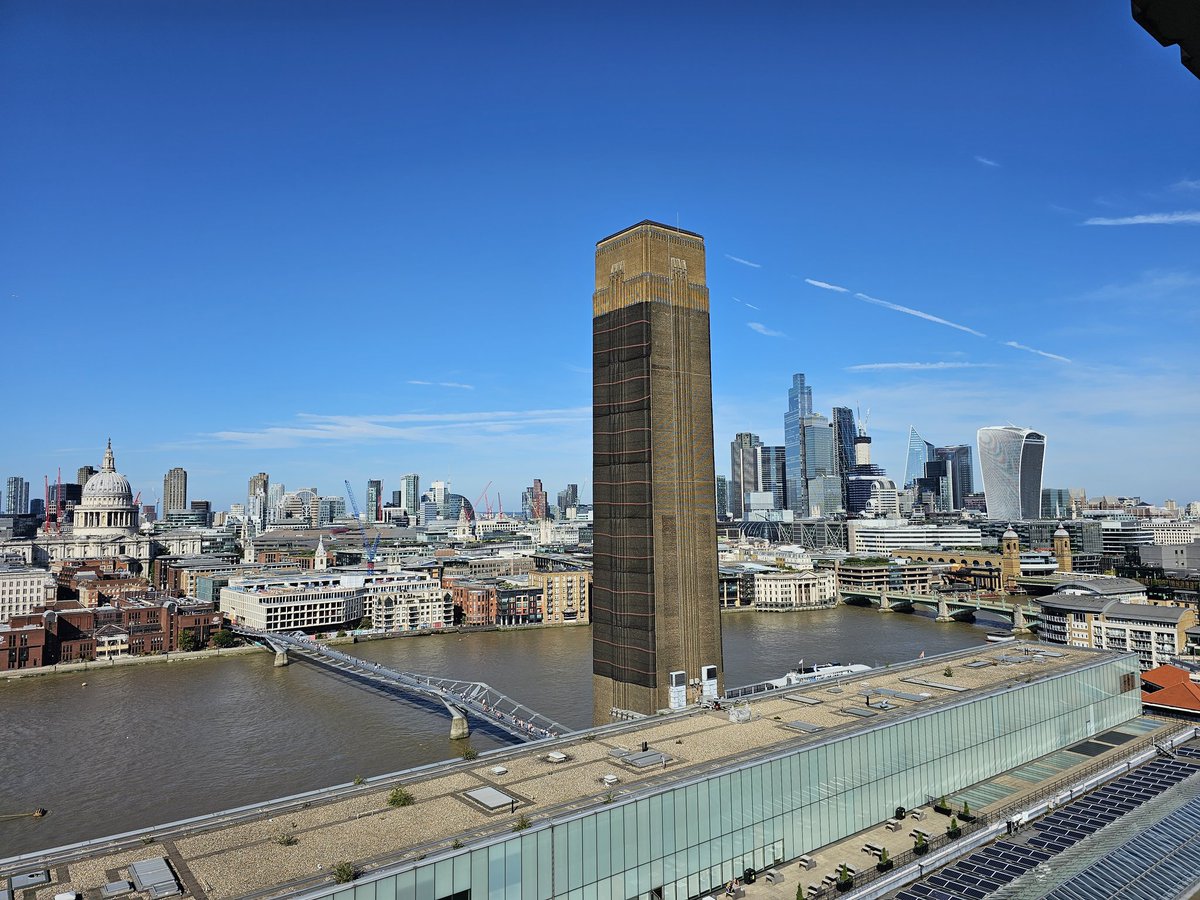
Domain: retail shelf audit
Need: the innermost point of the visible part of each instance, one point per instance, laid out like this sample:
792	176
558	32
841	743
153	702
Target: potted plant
952	830
965	815
942	806
920	845
845	880
885	861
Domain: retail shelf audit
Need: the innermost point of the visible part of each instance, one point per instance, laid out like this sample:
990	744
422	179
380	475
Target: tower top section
650	263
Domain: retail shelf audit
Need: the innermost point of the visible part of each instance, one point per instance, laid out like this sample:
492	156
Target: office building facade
959	457
410	486
654	598
844	432
743	465
16	496
1010	461
772	474
174	491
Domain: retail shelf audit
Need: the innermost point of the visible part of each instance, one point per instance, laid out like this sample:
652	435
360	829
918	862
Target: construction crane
369	546
482	496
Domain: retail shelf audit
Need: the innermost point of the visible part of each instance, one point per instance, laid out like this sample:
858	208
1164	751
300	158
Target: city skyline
946	251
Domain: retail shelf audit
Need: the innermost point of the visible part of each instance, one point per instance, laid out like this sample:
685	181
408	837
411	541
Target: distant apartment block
22	589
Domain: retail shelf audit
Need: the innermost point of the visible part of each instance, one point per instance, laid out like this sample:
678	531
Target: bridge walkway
459	697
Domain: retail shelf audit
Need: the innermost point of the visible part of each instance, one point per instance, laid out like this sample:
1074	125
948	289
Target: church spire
110	464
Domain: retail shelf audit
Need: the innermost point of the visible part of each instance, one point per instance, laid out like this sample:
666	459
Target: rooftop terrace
239	853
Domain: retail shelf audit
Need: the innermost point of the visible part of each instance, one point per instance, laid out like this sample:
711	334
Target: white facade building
1173	533
22	588
784	591
394	601
879	538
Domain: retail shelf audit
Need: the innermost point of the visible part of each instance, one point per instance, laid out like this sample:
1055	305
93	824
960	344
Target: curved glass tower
1010	461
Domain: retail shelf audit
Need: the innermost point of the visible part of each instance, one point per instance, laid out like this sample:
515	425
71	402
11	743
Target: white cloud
429	428
744	262
1175	218
1187	184
909	311
983	160
763	329
871	367
1017	346
445	384
752	306
825	285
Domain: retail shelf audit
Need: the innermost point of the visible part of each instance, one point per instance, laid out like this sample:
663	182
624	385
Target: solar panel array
1071	824
978	875
987	870
1162	861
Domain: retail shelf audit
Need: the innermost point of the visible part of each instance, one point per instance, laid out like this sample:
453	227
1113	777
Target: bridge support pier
885	605
459	726
943	610
1019	624
281	659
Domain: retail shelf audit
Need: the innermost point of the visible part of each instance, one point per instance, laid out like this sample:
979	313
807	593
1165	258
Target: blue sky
340	240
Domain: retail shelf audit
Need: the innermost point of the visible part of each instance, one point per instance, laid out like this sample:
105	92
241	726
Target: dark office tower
374	510
656	625
843	445
567	498
534	501
799	409
959	457
84	473
743	465
722	498
773	474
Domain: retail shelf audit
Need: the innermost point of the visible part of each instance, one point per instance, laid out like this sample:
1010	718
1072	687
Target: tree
188	641
366	623
223	638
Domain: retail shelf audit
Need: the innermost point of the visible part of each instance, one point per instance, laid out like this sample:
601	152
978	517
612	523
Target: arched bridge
949	607
459	697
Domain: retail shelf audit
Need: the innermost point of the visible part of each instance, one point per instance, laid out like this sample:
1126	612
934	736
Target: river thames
143	745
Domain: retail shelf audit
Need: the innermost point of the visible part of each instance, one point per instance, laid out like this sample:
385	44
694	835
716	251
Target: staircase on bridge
459	697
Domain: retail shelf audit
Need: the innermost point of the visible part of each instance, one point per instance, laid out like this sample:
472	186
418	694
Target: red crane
483	497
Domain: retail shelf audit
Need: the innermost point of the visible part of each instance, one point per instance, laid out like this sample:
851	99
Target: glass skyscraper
920	451
1010	461
843	445
959	457
799	409
772	473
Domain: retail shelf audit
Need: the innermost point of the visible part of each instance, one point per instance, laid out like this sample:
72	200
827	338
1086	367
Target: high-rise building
374	510
959	457
411	486
935	488
1010	461
844	432
656	626
256	500
84	473
799	409
568	497
1056	503
174	490
722	498
533	501
869	492
772	474
743	462
16	496
920	451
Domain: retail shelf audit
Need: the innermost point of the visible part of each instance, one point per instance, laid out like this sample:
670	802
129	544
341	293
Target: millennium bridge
458	697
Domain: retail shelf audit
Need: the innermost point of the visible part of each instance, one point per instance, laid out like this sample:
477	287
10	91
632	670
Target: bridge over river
458	697
949	606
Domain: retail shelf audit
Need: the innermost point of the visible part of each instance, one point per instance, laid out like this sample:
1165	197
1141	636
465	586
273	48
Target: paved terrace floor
238	854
